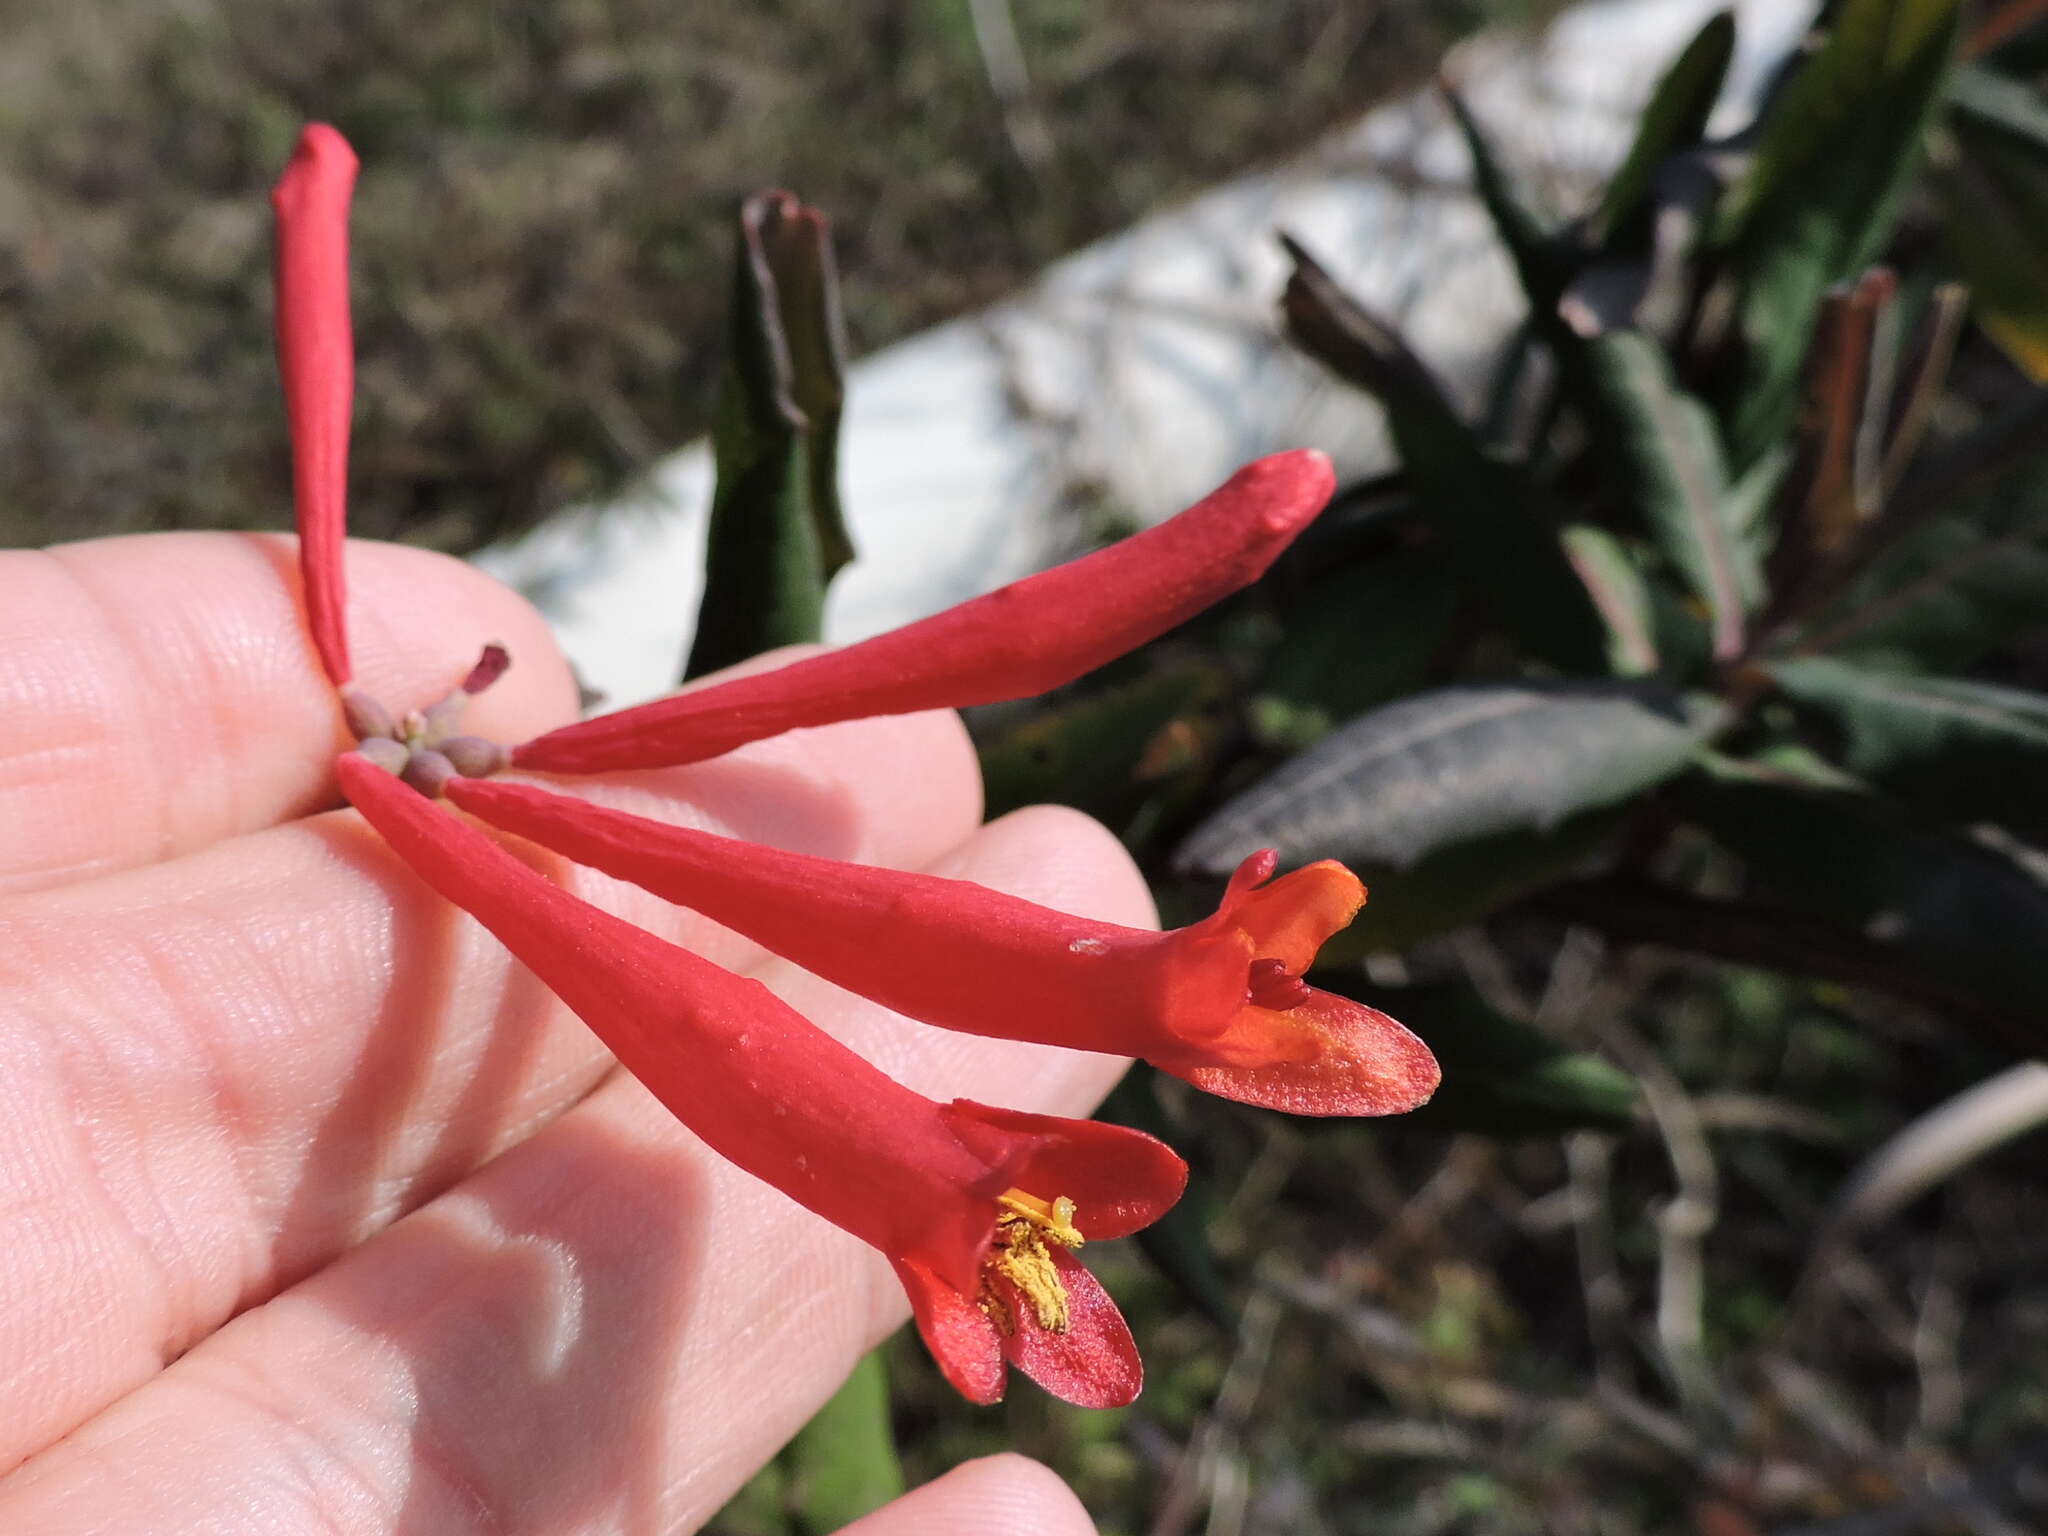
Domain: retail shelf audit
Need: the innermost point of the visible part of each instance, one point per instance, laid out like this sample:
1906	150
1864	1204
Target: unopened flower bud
365	716
387	754
428	772
442	717
474	757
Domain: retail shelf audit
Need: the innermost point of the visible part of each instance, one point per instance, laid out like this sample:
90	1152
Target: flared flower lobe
1019	640
1221	1003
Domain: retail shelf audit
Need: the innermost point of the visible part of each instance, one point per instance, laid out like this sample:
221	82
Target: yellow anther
1055	1218
1026	1226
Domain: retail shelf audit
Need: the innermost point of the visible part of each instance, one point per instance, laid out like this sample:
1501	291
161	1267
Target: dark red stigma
1269	986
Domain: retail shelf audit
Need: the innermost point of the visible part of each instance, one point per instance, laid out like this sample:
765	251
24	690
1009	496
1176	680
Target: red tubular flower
1019	640
977	1208
1219	1003
316	355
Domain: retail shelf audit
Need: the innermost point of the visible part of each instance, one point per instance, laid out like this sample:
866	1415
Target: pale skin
319	1213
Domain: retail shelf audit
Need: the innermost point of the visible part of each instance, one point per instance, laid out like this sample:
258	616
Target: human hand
241	1043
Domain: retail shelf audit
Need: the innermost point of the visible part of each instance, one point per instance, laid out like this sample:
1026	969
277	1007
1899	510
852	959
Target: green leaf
1502	1077
842	1464
1616	583
1539	262
1674	120
1360	637
777	532
1465	883
1831	163
1487	509
1455	766
1177	1244
1104	752
1965	915
1969	579
1667	456
1993	186
1969	751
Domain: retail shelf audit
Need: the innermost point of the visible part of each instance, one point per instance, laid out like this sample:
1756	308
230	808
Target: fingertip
1001	1495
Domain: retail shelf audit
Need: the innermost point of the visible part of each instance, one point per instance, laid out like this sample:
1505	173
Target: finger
607	1286
1006	1495
224	1070
159	693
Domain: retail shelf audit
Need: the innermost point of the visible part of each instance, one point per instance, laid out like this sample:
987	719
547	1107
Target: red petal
1020	640
1095	1363
755	1080
316	355
957	1332
1119	1179
949	952
1348	1059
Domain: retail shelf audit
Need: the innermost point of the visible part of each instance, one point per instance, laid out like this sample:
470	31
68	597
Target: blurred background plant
1685	706
541	221
1685	712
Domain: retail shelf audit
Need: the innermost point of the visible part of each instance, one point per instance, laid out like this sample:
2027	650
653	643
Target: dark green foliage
1672	124
1766	476
1502	1077
1488	511
842	1464
1971	918
1969	752
777	534
1667	458
1821	192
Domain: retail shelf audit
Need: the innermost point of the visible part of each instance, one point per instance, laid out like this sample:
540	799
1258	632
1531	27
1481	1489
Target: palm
240	1044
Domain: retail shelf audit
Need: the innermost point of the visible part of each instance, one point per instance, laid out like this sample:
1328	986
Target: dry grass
541	224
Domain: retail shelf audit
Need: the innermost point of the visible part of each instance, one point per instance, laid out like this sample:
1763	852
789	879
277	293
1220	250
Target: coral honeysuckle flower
1220	1003
979	1209
1023	639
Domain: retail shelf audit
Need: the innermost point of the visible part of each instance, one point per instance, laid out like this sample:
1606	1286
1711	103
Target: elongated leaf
1674	120
842	1464
1502	1077
1456	766
1970	918
1622	596
1539	261
777	534
1994	195
1968	751
1667	453
1833	158
1969	579
1505	544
